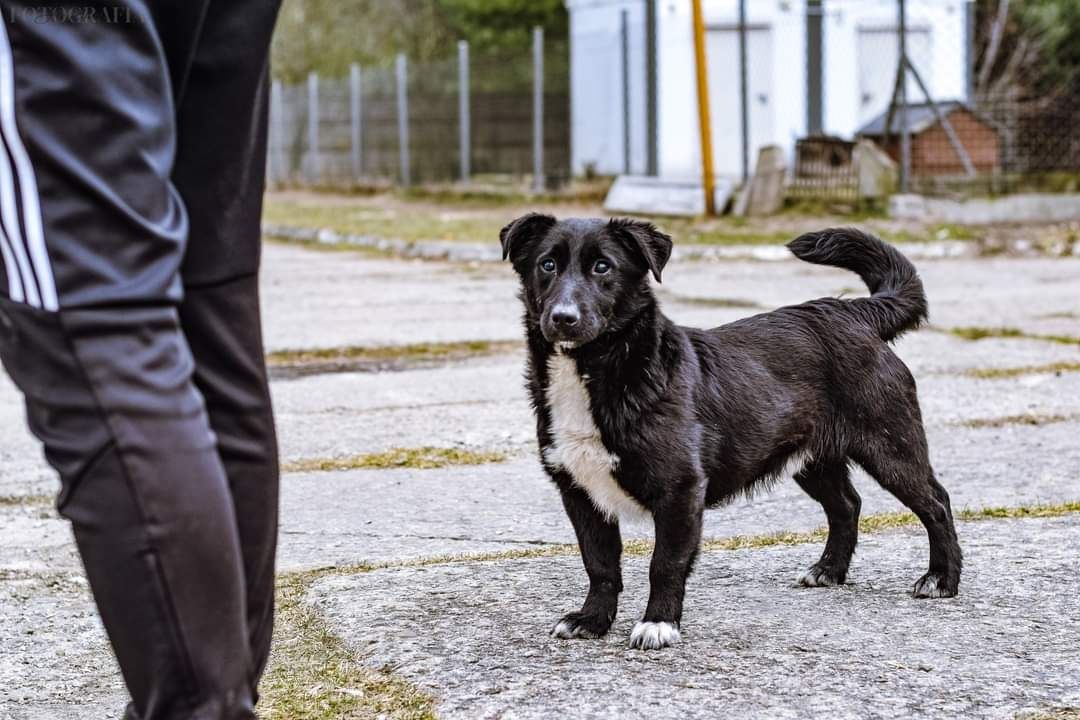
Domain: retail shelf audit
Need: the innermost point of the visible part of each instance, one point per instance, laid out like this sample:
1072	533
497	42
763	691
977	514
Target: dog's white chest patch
576	446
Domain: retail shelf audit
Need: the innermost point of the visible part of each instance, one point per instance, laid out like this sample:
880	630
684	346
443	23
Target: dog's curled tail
897	302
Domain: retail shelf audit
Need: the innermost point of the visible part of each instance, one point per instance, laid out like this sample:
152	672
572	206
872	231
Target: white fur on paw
564	630
815	577
929	586
654	635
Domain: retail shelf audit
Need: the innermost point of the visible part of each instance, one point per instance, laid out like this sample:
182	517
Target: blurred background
537	93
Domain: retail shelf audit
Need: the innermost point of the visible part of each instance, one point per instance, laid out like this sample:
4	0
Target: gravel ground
55	663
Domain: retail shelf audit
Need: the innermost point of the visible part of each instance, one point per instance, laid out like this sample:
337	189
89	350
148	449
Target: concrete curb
1021	208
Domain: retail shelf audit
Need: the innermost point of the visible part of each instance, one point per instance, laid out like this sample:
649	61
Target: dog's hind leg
828	482
906	473
601	551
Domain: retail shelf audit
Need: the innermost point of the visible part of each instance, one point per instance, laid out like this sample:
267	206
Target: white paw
815	576
654	635
564	630
932	585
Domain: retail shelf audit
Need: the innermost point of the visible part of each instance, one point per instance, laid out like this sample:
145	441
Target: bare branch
992	48
1007	83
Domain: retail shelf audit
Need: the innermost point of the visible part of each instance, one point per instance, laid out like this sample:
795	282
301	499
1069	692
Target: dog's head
582	278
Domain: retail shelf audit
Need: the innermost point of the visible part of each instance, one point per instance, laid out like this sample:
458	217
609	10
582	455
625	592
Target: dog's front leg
601	551
678	538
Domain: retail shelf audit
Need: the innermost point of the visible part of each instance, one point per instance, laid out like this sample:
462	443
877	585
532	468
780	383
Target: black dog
638	415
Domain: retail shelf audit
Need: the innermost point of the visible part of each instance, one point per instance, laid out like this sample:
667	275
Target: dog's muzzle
565	325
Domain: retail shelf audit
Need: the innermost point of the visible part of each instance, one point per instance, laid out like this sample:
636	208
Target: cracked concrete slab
754	645
342	518
378	301
484	405
370	516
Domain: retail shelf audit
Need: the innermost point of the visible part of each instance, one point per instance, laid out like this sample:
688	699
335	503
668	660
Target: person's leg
222	104
95	232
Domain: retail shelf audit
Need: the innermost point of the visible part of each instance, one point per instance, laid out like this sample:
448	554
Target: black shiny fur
698	416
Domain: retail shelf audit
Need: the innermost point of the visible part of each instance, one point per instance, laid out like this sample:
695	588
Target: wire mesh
500	117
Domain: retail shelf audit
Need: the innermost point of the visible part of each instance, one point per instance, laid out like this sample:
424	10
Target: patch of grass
418	222
415	226
852	211
1059	713
30	501
386	353
691	232
1025	419
418	458
365	250
716	302
950	231
1011	372
313	675
981	333
1051	510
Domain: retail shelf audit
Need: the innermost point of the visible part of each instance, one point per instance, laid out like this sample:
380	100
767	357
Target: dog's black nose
565	316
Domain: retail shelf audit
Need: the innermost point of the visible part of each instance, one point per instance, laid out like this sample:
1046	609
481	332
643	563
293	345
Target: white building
858	69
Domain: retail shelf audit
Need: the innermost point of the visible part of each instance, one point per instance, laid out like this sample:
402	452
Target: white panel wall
596	86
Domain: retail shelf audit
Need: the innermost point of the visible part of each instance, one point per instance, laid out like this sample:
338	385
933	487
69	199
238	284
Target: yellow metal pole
704	124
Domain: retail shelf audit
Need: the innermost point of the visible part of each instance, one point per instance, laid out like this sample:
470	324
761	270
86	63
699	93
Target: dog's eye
547	265
601	266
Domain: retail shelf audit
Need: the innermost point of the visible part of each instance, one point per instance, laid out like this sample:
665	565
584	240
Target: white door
722	53
878	53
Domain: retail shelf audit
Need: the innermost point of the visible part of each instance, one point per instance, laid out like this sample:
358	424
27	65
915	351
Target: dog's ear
645	239
523	231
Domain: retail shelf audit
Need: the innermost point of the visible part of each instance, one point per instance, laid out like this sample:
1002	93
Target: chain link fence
472	117
982	103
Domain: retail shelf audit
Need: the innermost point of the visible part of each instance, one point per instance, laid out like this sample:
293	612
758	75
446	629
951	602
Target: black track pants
131	175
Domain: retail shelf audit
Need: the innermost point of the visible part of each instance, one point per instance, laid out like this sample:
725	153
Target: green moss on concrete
1035	419
714	302
313	675
417	458
1012	372
414	352
982	333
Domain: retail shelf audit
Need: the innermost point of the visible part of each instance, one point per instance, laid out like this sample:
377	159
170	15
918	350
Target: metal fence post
744	93
276	156
650	88
403	119
625	30
905	135
538	109
969	50
814	114
464	120
314	163
356	118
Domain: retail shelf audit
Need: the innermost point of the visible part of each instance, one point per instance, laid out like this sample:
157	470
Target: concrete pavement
1003	440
